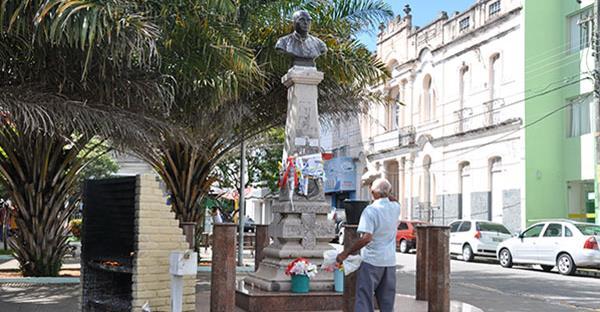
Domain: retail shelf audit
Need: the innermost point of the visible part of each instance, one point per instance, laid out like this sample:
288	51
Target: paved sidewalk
59	298
20	297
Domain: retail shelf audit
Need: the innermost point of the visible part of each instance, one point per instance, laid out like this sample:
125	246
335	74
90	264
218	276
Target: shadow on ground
47	298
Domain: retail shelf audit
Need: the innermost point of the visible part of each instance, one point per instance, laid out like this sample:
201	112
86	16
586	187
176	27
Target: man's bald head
381	187
301	13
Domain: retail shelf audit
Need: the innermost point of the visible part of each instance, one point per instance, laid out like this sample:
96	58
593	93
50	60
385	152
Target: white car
562	243
471	238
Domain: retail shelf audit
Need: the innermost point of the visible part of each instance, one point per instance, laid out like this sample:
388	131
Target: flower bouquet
301	271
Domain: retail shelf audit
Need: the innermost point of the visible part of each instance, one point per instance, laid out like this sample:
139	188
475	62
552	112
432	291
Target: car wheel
565	264
467	253
505	258
547	268
403	246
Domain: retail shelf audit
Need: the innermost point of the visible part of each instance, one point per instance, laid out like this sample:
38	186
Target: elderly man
377	272
300	44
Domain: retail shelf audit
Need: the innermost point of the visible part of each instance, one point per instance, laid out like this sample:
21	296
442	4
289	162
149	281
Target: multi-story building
559	145
489	115
450	139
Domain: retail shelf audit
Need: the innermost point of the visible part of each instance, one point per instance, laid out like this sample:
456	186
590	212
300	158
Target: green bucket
300	283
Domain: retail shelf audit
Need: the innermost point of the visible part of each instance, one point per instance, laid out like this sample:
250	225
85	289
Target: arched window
428	99
427	192
494	76
461	97
426	179
496	177
494	87
465	184
461	84
393	68
402	109
391	110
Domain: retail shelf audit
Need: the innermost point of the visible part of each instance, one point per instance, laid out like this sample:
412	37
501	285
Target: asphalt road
486	285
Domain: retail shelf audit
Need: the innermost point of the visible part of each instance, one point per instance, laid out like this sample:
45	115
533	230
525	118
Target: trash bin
354	209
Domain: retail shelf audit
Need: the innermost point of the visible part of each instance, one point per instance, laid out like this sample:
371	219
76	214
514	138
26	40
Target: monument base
253	299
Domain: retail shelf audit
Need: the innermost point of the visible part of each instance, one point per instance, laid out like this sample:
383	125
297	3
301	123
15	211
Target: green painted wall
550	158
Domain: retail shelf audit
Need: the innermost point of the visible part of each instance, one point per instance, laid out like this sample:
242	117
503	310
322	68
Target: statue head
302	22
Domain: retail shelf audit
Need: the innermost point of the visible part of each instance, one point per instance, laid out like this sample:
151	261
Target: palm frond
120	27
54	115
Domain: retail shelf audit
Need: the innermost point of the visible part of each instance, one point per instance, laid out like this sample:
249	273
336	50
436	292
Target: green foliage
99	164
66	67
216	115
263	157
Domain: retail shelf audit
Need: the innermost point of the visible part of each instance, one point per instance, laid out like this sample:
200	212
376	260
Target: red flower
291	265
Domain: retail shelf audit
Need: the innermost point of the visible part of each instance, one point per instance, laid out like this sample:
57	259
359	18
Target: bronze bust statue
300	44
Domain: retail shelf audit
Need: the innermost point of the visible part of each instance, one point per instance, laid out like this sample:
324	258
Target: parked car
471	238
562	243
406	236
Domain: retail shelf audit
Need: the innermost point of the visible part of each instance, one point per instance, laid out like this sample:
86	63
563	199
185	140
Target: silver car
564	244
471	238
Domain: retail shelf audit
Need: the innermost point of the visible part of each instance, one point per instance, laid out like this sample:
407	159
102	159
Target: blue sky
423	12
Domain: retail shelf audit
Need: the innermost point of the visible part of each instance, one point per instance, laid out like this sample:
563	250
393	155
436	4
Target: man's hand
341	257
392	198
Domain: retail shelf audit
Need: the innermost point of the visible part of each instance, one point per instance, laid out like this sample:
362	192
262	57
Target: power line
479	114
545	116
450	115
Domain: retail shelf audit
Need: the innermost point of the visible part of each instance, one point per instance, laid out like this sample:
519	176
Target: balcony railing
493	111
488	114
407	135
464	119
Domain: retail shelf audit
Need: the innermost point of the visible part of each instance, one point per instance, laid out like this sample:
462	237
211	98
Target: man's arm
360	243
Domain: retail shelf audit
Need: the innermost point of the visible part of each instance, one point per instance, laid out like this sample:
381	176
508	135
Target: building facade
559	163
490	114
450	140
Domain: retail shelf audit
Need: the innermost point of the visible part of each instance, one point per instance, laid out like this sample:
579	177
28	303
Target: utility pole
596	47
242	205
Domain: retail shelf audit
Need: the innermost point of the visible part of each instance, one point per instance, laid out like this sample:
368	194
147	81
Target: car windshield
588	229
492	227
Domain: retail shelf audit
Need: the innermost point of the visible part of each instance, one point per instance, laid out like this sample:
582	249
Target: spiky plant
68	69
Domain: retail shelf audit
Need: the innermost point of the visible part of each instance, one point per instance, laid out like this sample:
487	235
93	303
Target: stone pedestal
350	237
262	241
438	292
421	278
222	290
300	227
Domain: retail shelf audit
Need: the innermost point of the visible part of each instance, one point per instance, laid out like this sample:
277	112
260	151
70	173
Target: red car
406	236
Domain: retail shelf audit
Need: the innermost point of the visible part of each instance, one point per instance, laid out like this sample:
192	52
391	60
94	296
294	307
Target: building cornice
506	126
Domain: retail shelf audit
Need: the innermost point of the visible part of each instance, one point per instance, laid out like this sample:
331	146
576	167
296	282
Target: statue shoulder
320	44
282	42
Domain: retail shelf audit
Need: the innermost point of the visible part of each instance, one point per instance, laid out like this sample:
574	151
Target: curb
40	280
588	272
245	269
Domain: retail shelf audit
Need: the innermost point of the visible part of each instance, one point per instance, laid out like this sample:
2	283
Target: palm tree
217	123
67	70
